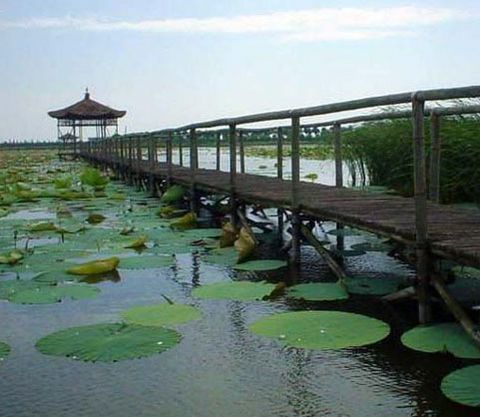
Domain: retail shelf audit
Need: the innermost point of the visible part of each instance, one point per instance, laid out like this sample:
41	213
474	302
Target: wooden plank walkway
452	232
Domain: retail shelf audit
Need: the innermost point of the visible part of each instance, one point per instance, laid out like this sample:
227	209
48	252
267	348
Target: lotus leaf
237	290
222	256
348	253
466	272
108	342
201	233
137	243
321	329
444	337
11	287
344	232
371	247
63	182
99	266
228	236
318	291
161	314
245	245
373	285
462	386
49	294
4	351
188	221
261	265
93	177
173	194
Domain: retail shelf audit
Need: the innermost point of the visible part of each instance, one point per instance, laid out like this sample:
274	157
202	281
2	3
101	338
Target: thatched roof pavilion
85	113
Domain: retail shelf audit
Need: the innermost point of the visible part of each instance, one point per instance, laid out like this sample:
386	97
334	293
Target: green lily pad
371	247
146	262
11	287
466	272
462	386
222	256
173	194
49	294
161	314
4	351
261	265
108	342
373	285
321	329
237	290
348	253
444	337
196	234
318	291
346	231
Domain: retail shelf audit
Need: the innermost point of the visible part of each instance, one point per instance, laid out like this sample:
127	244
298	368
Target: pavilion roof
87	109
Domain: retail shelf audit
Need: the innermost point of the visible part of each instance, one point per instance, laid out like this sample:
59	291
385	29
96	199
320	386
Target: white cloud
306	25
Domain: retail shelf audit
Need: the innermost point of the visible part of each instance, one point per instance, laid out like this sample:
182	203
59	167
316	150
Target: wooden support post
130	161
169	158
280	176
233	173
138	161
218	148
332	264
338	155
296	222
456	309
242	152
193	169
180	149
151	166
435	149
418	113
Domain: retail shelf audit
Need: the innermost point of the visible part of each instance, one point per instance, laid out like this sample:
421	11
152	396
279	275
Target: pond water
220	368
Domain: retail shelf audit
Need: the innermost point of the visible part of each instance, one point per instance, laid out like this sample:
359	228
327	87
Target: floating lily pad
11	287
344	232
195	234
222	256
348	253
49	294
261	265
4	351
318	291
146	262
108	342
371	247
321	329
444	337
237	290
462	386
466	272
161	314
374	285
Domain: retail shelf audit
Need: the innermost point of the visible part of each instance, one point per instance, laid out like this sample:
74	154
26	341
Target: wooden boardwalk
452	232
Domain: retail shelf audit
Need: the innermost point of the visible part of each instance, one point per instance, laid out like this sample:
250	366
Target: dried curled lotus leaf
108	342
462	386
161	314
321	329
318	291
100	266
237	290
261	265
444	337
245	245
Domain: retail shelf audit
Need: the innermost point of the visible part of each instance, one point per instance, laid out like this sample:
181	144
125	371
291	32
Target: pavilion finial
87	94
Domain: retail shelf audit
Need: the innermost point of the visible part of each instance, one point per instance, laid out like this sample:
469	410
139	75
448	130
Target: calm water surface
220	368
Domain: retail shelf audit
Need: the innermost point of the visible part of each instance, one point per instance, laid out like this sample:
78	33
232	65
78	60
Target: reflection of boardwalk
453	232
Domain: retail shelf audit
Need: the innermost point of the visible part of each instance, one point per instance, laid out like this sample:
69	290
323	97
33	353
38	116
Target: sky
173	62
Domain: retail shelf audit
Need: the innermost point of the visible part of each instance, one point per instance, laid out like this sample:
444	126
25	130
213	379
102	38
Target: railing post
169	158
218	145
421	231
337	134
280	177
435	150
180	149
130	160
337	140
232	136
193	169
151	165
242	152
295	257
